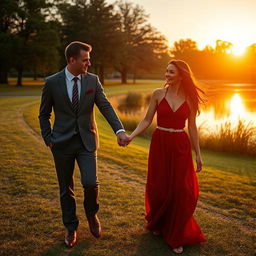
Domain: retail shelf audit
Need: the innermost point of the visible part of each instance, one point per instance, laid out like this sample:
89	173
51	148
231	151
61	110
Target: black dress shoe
94	225
70	238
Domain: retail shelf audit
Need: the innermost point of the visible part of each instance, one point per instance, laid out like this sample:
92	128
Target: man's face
81	63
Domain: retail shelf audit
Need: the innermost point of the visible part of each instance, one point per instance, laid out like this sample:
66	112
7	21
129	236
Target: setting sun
238	50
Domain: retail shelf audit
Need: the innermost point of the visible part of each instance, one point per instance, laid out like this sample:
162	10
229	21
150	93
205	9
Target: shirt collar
70	76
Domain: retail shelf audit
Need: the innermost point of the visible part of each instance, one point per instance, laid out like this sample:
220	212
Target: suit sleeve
45	113
106	108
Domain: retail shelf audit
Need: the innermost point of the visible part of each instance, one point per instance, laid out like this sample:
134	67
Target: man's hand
122	139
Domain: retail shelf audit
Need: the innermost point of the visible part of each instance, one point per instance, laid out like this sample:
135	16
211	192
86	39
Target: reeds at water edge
239	138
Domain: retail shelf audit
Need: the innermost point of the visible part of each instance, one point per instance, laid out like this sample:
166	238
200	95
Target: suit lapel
63	87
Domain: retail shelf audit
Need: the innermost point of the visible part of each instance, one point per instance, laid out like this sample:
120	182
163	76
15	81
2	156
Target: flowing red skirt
172	189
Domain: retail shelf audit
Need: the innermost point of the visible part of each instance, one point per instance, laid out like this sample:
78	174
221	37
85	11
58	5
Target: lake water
228	102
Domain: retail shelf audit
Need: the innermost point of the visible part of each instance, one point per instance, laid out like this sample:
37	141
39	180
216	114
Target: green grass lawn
30	211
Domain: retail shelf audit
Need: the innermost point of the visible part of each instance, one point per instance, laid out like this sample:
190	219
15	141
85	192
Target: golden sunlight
236	107
238	49
236	39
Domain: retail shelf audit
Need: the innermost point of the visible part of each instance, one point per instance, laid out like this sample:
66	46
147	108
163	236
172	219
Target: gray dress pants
65	155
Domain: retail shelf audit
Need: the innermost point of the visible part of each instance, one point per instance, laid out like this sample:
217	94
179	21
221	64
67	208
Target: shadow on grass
60	249
151	245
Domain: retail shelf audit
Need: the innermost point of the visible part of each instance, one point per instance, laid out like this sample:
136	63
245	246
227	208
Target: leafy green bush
133	102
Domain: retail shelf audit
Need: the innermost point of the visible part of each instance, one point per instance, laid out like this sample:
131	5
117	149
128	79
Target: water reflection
229	103
237	108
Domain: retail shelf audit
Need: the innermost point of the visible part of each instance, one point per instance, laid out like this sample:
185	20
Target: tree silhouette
251	57
24	24
184	47
141	47
223	47
97	25
7	9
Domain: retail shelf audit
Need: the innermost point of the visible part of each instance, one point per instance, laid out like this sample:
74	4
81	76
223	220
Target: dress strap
166	91
164	95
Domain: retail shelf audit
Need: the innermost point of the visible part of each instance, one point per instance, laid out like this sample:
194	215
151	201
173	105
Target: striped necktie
75	100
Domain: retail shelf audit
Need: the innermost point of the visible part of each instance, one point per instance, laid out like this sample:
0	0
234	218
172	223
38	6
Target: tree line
217	62
34	33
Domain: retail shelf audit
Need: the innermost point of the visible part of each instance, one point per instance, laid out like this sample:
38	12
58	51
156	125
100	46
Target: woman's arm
145	123
193	134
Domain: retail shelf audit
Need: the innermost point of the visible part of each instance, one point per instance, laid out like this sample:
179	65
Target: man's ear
72	60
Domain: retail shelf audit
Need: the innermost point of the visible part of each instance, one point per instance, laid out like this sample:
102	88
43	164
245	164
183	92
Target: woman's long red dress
172	187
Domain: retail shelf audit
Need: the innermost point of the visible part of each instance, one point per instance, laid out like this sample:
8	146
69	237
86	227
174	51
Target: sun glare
237	107
238	50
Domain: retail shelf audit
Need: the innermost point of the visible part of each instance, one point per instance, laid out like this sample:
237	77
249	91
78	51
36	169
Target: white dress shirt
70	83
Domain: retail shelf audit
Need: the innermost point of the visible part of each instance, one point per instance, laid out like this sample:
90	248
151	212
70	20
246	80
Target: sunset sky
204	21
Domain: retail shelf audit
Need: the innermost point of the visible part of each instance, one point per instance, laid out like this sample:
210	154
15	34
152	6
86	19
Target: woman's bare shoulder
158	92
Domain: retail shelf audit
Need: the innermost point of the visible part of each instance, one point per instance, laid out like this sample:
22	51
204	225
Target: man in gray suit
72	93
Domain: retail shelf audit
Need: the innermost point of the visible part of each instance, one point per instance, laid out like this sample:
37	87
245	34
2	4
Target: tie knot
75	79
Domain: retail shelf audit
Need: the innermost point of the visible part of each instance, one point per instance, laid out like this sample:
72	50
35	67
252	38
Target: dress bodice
168	118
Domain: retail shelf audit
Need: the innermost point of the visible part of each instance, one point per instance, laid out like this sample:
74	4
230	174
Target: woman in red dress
172	186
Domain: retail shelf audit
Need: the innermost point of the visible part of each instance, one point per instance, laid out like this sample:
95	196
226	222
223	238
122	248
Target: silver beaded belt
169	129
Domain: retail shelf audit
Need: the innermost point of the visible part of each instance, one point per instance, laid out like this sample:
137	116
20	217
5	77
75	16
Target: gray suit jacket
55	96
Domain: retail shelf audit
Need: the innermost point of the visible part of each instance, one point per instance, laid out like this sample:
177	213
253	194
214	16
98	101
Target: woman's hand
129	139
199	163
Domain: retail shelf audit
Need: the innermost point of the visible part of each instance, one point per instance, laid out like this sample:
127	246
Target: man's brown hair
74	48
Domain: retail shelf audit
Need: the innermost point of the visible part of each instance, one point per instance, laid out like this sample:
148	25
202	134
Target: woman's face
172	75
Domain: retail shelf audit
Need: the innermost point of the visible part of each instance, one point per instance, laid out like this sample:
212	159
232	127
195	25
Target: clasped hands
123	139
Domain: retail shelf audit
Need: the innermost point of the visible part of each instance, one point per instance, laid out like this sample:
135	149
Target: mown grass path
30	212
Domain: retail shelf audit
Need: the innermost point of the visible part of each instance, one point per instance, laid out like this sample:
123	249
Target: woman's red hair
188	84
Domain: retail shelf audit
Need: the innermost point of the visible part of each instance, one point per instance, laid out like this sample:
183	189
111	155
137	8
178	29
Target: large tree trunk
134	78
101	74
19	78
35	75
3	77
124	76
